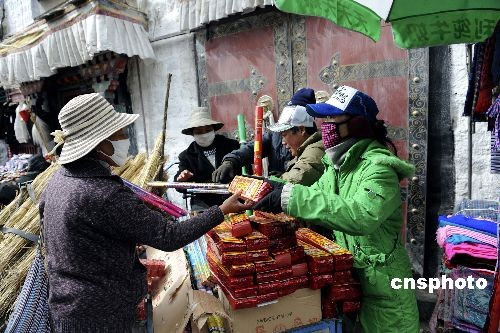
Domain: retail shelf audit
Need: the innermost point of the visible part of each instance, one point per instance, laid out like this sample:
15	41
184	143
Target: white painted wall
174	56
18	15
485	185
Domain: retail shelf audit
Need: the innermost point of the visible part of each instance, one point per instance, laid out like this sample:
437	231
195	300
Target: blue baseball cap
303	97
345	101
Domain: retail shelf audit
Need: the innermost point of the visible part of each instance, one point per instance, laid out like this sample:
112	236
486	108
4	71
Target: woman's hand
234	205
184	176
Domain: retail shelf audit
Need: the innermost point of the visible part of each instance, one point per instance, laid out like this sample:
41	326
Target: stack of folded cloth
330	268
470	250
269	262
469	242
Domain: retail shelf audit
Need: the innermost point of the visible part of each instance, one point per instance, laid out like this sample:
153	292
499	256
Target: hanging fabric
20	126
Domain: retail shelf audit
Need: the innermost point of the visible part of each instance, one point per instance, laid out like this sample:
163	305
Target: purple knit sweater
91	225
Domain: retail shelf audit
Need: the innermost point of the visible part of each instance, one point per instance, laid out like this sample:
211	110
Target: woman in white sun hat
92	223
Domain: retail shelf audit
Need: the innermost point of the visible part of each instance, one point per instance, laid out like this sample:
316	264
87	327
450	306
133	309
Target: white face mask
204	140
121	151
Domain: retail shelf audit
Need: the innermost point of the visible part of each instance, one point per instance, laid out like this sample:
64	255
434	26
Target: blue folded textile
484	226
458	239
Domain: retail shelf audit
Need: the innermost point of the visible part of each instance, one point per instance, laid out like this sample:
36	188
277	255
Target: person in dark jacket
277	153
92	223
204	154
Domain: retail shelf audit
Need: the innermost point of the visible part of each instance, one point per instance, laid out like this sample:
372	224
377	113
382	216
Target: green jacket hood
377	153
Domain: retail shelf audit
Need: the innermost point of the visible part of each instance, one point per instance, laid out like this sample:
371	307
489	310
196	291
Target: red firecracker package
253	256
343	261
328	309
342	257
319	261
240	224
282	217
349	307
241	270
299	269
222	274
282	243
225	242
239	303
303	281
155	272
155	268
290	286
268	287
251	188
280	274
272	296
141	310
319	281
271	231
244	292
282	258
298	254
256	241
348	292
241	229
343	277
227	258
266	265
233	258
272	228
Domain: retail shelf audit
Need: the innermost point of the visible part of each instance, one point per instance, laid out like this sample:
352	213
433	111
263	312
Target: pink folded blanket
444	232
473	250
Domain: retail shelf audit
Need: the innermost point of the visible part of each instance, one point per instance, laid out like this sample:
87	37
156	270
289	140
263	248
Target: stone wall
484	184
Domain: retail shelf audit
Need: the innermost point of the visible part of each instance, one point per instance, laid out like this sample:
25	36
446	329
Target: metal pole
470	129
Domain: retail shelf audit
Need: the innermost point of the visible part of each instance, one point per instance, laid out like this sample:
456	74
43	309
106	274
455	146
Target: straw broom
16	253
136	164
156	160
12	281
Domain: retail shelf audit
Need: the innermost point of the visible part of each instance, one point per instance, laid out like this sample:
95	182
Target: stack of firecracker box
258	259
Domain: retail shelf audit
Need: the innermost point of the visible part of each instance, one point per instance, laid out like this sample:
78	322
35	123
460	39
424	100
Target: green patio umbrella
415	23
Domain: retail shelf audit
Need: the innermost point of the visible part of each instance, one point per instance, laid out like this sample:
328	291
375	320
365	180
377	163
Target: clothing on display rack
470	243
483	77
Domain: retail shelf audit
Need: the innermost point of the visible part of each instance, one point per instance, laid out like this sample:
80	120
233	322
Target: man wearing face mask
92	222
300	135
204	154
273	148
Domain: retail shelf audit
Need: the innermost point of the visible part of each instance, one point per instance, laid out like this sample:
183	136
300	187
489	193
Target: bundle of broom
17	253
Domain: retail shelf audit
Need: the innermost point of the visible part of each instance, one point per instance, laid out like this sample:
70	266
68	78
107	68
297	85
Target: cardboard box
301	308
326	326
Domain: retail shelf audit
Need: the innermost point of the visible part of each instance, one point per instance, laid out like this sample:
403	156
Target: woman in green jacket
359	199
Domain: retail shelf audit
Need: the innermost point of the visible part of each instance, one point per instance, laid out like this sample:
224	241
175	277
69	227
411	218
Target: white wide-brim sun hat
86	121
200	116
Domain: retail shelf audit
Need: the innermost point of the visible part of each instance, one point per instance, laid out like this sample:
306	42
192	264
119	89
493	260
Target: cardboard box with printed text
301	308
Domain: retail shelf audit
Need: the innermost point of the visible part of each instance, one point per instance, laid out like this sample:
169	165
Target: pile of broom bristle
17	253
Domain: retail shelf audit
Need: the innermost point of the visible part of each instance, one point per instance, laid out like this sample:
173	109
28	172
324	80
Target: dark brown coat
92	223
